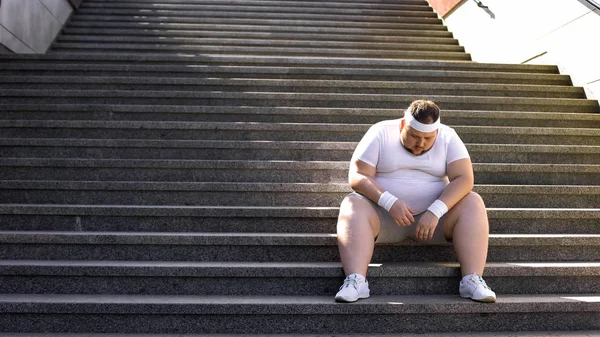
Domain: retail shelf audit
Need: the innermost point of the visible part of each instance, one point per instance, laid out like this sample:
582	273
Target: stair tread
263	186
275	126
314	96
316	305
88	57
257	144
225	82
263	239
288	269
270	164
589	333
259	211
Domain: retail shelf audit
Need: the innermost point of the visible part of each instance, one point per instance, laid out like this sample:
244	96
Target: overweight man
412	178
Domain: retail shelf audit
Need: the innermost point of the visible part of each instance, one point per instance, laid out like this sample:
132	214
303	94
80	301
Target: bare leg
468	227
358	225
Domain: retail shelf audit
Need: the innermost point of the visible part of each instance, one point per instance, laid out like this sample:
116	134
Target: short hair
424	111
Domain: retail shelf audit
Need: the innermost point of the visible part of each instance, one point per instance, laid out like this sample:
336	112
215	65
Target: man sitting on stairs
412	178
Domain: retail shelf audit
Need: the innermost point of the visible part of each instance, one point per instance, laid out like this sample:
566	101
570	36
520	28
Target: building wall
444	7
30	26
563	32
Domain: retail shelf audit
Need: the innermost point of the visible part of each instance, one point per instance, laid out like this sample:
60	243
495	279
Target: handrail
594	3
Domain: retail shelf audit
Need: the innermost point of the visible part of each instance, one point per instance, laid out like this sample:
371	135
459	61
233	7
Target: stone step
441	334
266	171
174	29
287	85
286	115
306	314
397	11
274	73
320	64
275	247
309	22
305	99
283	279
416	52
275	132
264	150
404	37
418	5
123	218
343	47
265	194
227	13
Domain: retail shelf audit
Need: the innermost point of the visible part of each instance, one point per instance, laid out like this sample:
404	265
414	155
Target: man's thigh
356	209
470	207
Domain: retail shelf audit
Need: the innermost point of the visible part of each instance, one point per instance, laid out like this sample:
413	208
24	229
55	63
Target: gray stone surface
324	64
298	324
260	150
409	36
259	219
281	14
486	334
299	99
408	5
189	42
274	247
271	171
270	253
355	72
288	115
261	50
288	85
265	194
138	90
275	132
396	11
289	279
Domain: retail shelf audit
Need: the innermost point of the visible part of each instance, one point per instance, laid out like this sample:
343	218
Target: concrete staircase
175	167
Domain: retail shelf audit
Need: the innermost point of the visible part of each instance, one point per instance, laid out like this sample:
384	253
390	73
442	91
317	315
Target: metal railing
594	3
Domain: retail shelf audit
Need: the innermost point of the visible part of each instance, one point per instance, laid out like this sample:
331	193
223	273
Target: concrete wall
562	32
30	26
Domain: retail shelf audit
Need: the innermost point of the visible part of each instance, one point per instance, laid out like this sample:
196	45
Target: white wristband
387	200
438	208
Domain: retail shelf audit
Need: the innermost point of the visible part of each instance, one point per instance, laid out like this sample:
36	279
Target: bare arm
362	180
460	174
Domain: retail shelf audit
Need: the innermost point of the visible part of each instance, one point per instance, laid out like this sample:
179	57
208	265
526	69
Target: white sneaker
473	286
353	288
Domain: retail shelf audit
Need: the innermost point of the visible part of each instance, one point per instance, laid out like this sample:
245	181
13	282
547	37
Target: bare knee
470	210
472	200
356	211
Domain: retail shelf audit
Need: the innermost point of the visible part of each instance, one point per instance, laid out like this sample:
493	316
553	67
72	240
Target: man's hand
426	226
402	213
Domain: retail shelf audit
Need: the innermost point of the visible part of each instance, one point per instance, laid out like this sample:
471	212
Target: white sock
357	276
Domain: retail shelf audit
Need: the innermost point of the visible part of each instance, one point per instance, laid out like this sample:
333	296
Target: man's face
417	142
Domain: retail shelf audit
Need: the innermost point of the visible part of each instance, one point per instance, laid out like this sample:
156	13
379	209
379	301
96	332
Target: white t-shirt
417	180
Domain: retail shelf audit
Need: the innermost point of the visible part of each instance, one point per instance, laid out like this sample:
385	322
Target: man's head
419	127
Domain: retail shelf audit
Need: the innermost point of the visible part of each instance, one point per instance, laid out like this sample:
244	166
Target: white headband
415	124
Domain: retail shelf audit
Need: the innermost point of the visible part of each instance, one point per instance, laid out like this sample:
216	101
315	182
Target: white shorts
391	232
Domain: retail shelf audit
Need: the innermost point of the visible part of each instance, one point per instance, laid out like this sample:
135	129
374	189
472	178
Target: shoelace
479	280
349	281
